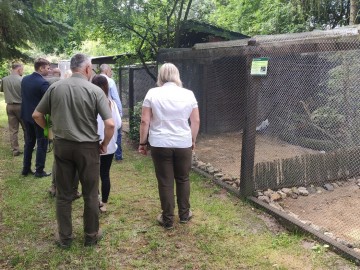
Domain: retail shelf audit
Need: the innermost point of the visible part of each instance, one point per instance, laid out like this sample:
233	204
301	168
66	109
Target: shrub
135	119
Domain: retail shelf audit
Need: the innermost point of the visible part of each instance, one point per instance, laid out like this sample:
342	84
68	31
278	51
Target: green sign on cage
259	66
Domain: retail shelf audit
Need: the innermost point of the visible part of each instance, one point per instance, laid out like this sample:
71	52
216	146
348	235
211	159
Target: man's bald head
17	68
104	68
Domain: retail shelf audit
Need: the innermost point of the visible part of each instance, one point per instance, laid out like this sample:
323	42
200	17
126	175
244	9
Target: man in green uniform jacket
11	86
74	104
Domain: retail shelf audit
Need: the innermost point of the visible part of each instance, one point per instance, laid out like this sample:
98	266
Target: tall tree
326	14
283	16
259	16
22	23
146	25
354	9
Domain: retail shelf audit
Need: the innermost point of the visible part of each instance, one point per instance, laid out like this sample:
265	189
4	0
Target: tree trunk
180	20
353	12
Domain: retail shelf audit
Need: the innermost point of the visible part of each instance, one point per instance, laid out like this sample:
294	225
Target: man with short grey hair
74	105
105	70
11	86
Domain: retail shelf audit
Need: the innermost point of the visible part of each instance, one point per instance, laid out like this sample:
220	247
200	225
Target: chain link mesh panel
124	87
307	123
139	80
308	114
310	100
218	79
142	82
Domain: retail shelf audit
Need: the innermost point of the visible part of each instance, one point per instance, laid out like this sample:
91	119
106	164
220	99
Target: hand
142	149
193	146
103	148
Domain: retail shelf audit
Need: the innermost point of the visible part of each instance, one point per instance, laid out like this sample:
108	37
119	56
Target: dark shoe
52	191
94	240
42	174
167	226
27	172
186	220
62	244
76	195
17	153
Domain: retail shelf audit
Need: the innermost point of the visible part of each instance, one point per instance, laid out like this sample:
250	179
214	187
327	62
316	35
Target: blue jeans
34	135
118	152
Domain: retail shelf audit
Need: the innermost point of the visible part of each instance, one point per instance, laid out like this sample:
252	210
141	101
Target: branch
173	9
143	60
187	10
140	35
178	24
168	18
306	108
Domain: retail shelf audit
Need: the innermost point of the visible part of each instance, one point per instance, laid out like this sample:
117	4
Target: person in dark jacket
33	87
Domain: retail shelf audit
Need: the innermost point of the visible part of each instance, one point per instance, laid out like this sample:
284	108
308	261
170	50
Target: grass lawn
225	233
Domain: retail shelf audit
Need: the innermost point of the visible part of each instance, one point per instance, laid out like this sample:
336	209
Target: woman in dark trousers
165	123
106	159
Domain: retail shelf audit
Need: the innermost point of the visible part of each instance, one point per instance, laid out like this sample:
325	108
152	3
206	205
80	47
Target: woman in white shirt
165	126
106	159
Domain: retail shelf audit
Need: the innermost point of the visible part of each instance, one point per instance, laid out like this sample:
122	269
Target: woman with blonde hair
165	127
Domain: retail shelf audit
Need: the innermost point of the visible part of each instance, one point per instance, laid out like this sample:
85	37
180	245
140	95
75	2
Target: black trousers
84	158
105	164
170	164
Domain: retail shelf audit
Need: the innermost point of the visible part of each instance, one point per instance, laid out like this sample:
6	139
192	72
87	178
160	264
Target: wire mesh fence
312	103
304	122
134	84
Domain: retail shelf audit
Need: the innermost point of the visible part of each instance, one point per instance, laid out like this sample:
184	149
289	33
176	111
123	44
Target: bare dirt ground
336	211
224	150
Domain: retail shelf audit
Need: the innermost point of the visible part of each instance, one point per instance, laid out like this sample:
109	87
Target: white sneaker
183	221
102	207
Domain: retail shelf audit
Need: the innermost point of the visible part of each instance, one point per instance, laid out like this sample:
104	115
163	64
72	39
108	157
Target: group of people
78	109
86	125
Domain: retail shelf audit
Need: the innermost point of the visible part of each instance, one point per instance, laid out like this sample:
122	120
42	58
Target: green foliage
259	16
135	120
339	112
284	240
279	16
141	27
22	23
327	117
97	48
80	15
4	69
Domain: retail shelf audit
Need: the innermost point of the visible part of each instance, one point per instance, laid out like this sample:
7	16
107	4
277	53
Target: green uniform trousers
170	164
84	158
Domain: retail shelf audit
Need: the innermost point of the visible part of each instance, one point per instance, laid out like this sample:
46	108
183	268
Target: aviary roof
200	27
